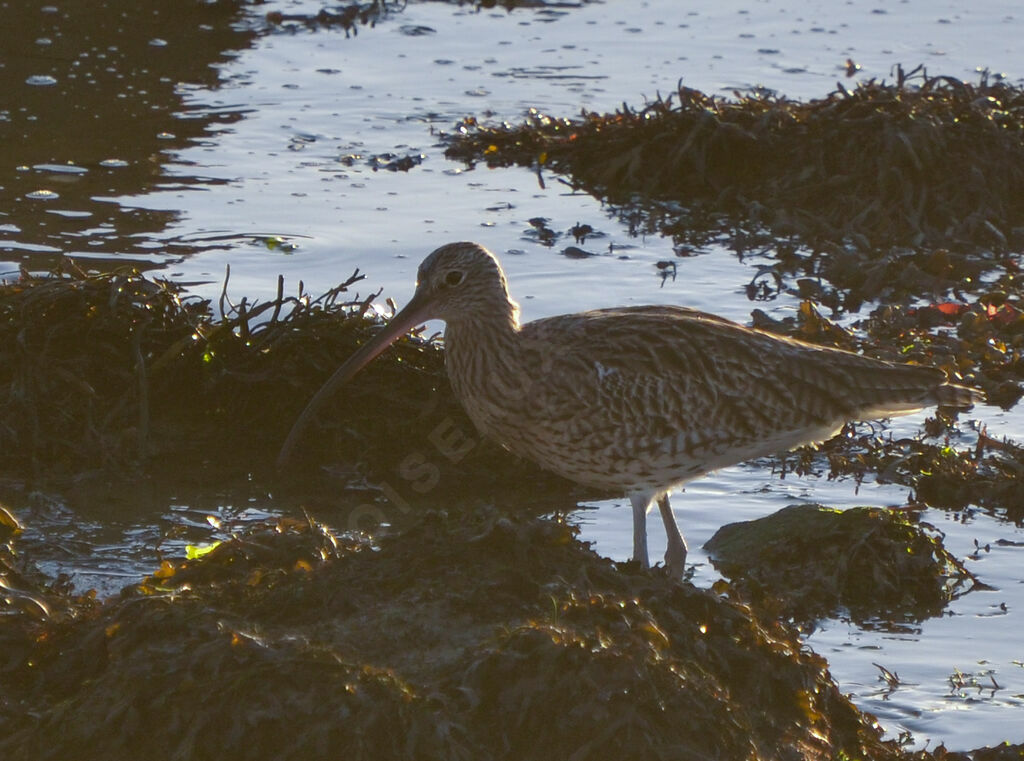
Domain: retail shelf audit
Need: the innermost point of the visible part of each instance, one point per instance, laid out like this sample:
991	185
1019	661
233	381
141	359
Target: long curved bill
414	313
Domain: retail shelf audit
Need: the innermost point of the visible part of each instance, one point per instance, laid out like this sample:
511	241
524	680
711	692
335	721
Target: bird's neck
481	344
495	327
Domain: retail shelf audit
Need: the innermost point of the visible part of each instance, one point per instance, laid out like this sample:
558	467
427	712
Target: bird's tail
919	387
959	397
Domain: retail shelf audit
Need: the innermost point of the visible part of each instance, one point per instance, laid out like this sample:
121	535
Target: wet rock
808	562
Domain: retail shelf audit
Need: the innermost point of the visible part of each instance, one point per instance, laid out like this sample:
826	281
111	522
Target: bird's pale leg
640	504
675	555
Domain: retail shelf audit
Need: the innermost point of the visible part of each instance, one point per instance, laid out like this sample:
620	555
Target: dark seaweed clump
990	475
118	372
979	341
110	370
808	561
348	17
288	642
874	174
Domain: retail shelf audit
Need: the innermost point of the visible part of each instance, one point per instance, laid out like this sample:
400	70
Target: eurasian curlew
637	400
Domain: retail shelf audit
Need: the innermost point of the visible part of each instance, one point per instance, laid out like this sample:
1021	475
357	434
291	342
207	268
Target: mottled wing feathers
658	372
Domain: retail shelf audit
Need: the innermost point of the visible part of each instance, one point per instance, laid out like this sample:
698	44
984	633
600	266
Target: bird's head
457	282
460	281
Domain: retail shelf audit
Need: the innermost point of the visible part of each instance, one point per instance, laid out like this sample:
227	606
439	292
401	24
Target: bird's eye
453	278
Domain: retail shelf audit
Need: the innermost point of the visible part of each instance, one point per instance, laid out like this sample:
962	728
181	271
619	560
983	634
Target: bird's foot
675	560
641	561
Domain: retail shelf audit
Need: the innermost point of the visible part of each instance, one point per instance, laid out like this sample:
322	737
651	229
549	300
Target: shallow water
265	164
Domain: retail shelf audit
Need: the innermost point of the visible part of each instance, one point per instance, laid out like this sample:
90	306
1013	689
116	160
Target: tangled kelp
922	163
808	561
116	371
352	16
989	475
982	342
288	642
346	17
1003	752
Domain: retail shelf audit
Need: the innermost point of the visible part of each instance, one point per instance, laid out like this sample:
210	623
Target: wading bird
637	400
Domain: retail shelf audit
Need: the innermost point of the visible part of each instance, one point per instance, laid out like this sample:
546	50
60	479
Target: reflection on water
92	114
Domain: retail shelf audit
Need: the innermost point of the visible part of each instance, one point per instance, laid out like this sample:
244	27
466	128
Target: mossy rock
809	561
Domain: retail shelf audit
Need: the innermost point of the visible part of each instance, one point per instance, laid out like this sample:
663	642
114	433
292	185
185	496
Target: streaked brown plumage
636	399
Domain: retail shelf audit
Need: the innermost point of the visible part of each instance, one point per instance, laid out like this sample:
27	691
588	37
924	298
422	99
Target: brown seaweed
877	174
